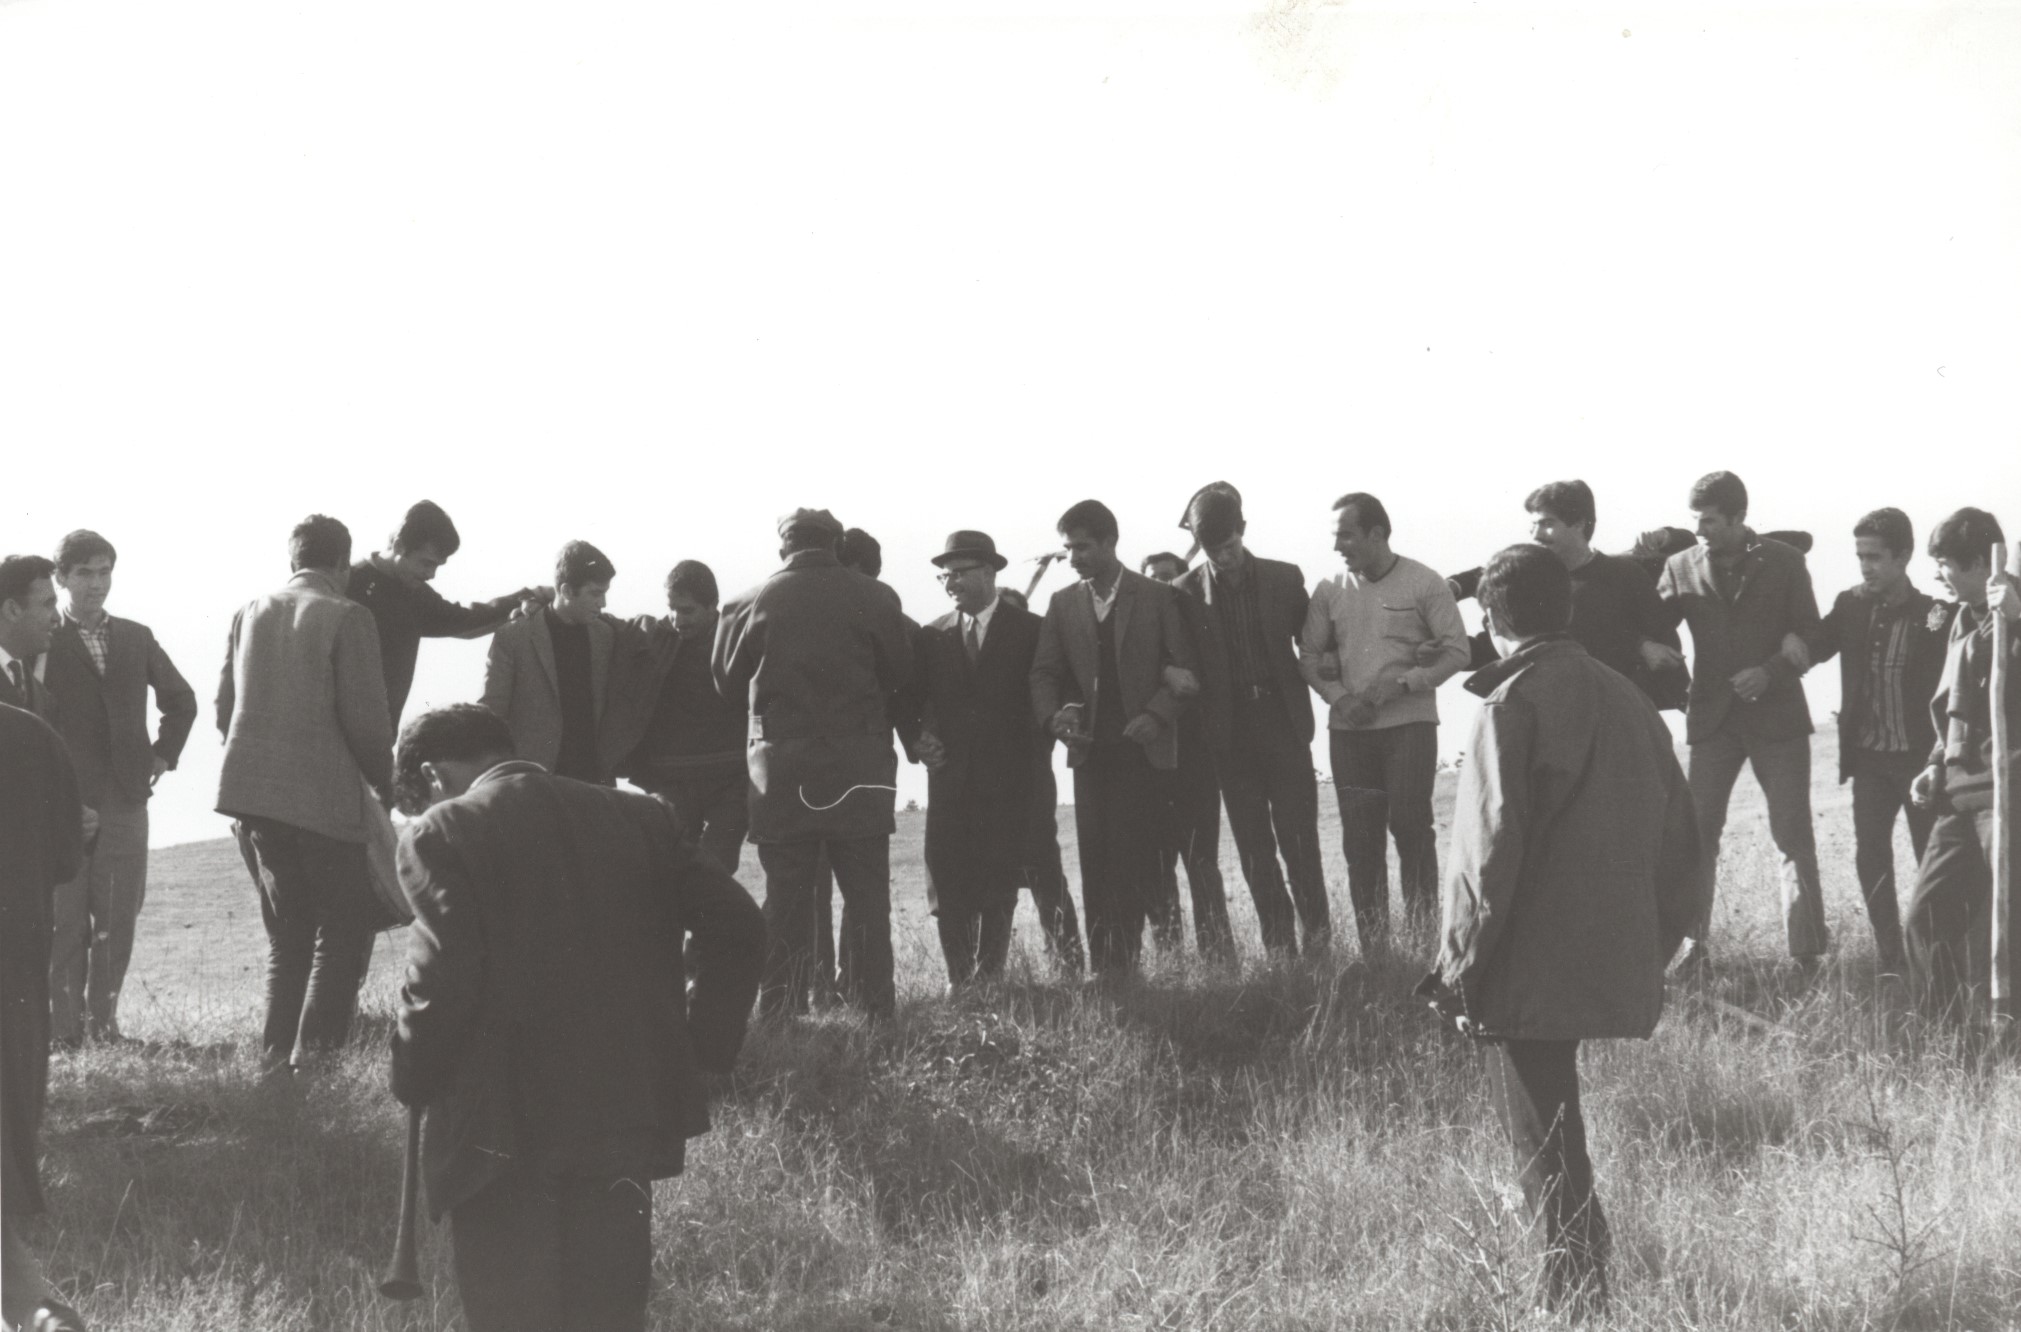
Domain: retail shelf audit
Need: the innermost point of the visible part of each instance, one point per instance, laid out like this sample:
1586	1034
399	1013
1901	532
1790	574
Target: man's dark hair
860	551
1722	491
1966	538
693	579
1093	518
1368	511
1214	516
82	547
580	564
1528	590
319	542
1149	561
1570	502
426	525
18	573
1894	529
461	732
808	536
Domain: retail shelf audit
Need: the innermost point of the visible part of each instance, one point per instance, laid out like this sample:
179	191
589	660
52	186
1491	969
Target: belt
1251	693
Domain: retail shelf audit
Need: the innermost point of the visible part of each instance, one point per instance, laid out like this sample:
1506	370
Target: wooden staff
403	1278
2003	793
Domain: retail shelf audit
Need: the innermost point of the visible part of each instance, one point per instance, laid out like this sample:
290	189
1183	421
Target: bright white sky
616	271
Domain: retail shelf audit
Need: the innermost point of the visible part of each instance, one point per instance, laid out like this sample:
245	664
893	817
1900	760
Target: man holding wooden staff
546	1023
1949	917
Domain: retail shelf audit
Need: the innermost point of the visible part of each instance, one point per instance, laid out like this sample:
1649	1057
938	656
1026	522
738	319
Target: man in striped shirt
1889	637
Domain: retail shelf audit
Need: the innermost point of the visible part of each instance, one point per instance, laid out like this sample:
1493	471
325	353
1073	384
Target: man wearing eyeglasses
985	756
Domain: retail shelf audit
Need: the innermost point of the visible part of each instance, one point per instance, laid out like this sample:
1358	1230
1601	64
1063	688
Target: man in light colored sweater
1374	616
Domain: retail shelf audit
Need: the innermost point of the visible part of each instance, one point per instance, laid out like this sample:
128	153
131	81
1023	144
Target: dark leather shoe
55	1316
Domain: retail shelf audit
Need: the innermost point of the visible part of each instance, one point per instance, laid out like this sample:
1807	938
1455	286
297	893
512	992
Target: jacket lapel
543	650
1082	647
602	638
70	642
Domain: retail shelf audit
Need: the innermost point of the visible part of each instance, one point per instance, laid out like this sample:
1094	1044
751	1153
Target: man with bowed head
1099	682
821	652
546	1023
1571	883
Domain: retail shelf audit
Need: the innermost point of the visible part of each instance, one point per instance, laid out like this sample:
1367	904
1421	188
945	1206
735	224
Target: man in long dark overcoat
823	653
42	837
984	753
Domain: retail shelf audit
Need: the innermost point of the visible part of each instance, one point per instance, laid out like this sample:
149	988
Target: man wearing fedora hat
985	756
822	653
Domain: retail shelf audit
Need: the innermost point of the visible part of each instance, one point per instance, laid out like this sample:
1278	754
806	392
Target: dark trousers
1536	1087
1046	876
533	1255
1782	767
1880	791
974	941
1383	779
1192	837
316	902
1118	815
862	868
714	812
1273	805
1950	914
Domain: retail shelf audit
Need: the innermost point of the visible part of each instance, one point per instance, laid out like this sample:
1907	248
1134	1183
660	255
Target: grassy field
1295	1148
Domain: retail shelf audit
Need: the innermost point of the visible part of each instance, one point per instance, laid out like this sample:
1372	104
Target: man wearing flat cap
822	653
985	755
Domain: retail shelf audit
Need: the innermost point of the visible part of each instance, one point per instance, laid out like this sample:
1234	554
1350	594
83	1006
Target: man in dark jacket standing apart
821	652
1257	712
984	756
546	1023
1742	594
1571	882
100	669
1889	637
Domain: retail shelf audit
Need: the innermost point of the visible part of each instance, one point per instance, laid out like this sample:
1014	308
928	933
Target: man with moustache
394	584
1098	682
1742	595
821	652
1256	718
100	669
1890	639
692	754
1393	626
1949	913
983	754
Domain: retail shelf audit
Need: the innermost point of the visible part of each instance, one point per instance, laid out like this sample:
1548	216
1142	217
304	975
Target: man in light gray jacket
1572	879
308	742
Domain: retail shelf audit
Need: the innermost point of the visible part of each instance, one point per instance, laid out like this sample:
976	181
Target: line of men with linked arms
1582	860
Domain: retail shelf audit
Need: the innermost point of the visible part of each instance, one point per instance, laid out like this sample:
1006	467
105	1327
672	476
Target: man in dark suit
1192	832
821	652
1889	638
549	675
308	744
983	754
692	752
42	836
100	669
546	1023
28	617
1257	719
1099	682
1742	594
394	584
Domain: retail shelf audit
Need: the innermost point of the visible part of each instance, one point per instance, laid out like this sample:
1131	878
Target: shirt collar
319	580
510	768
982	617
32	665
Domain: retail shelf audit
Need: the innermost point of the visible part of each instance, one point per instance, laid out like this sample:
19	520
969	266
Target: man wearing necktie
985	755
28	617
